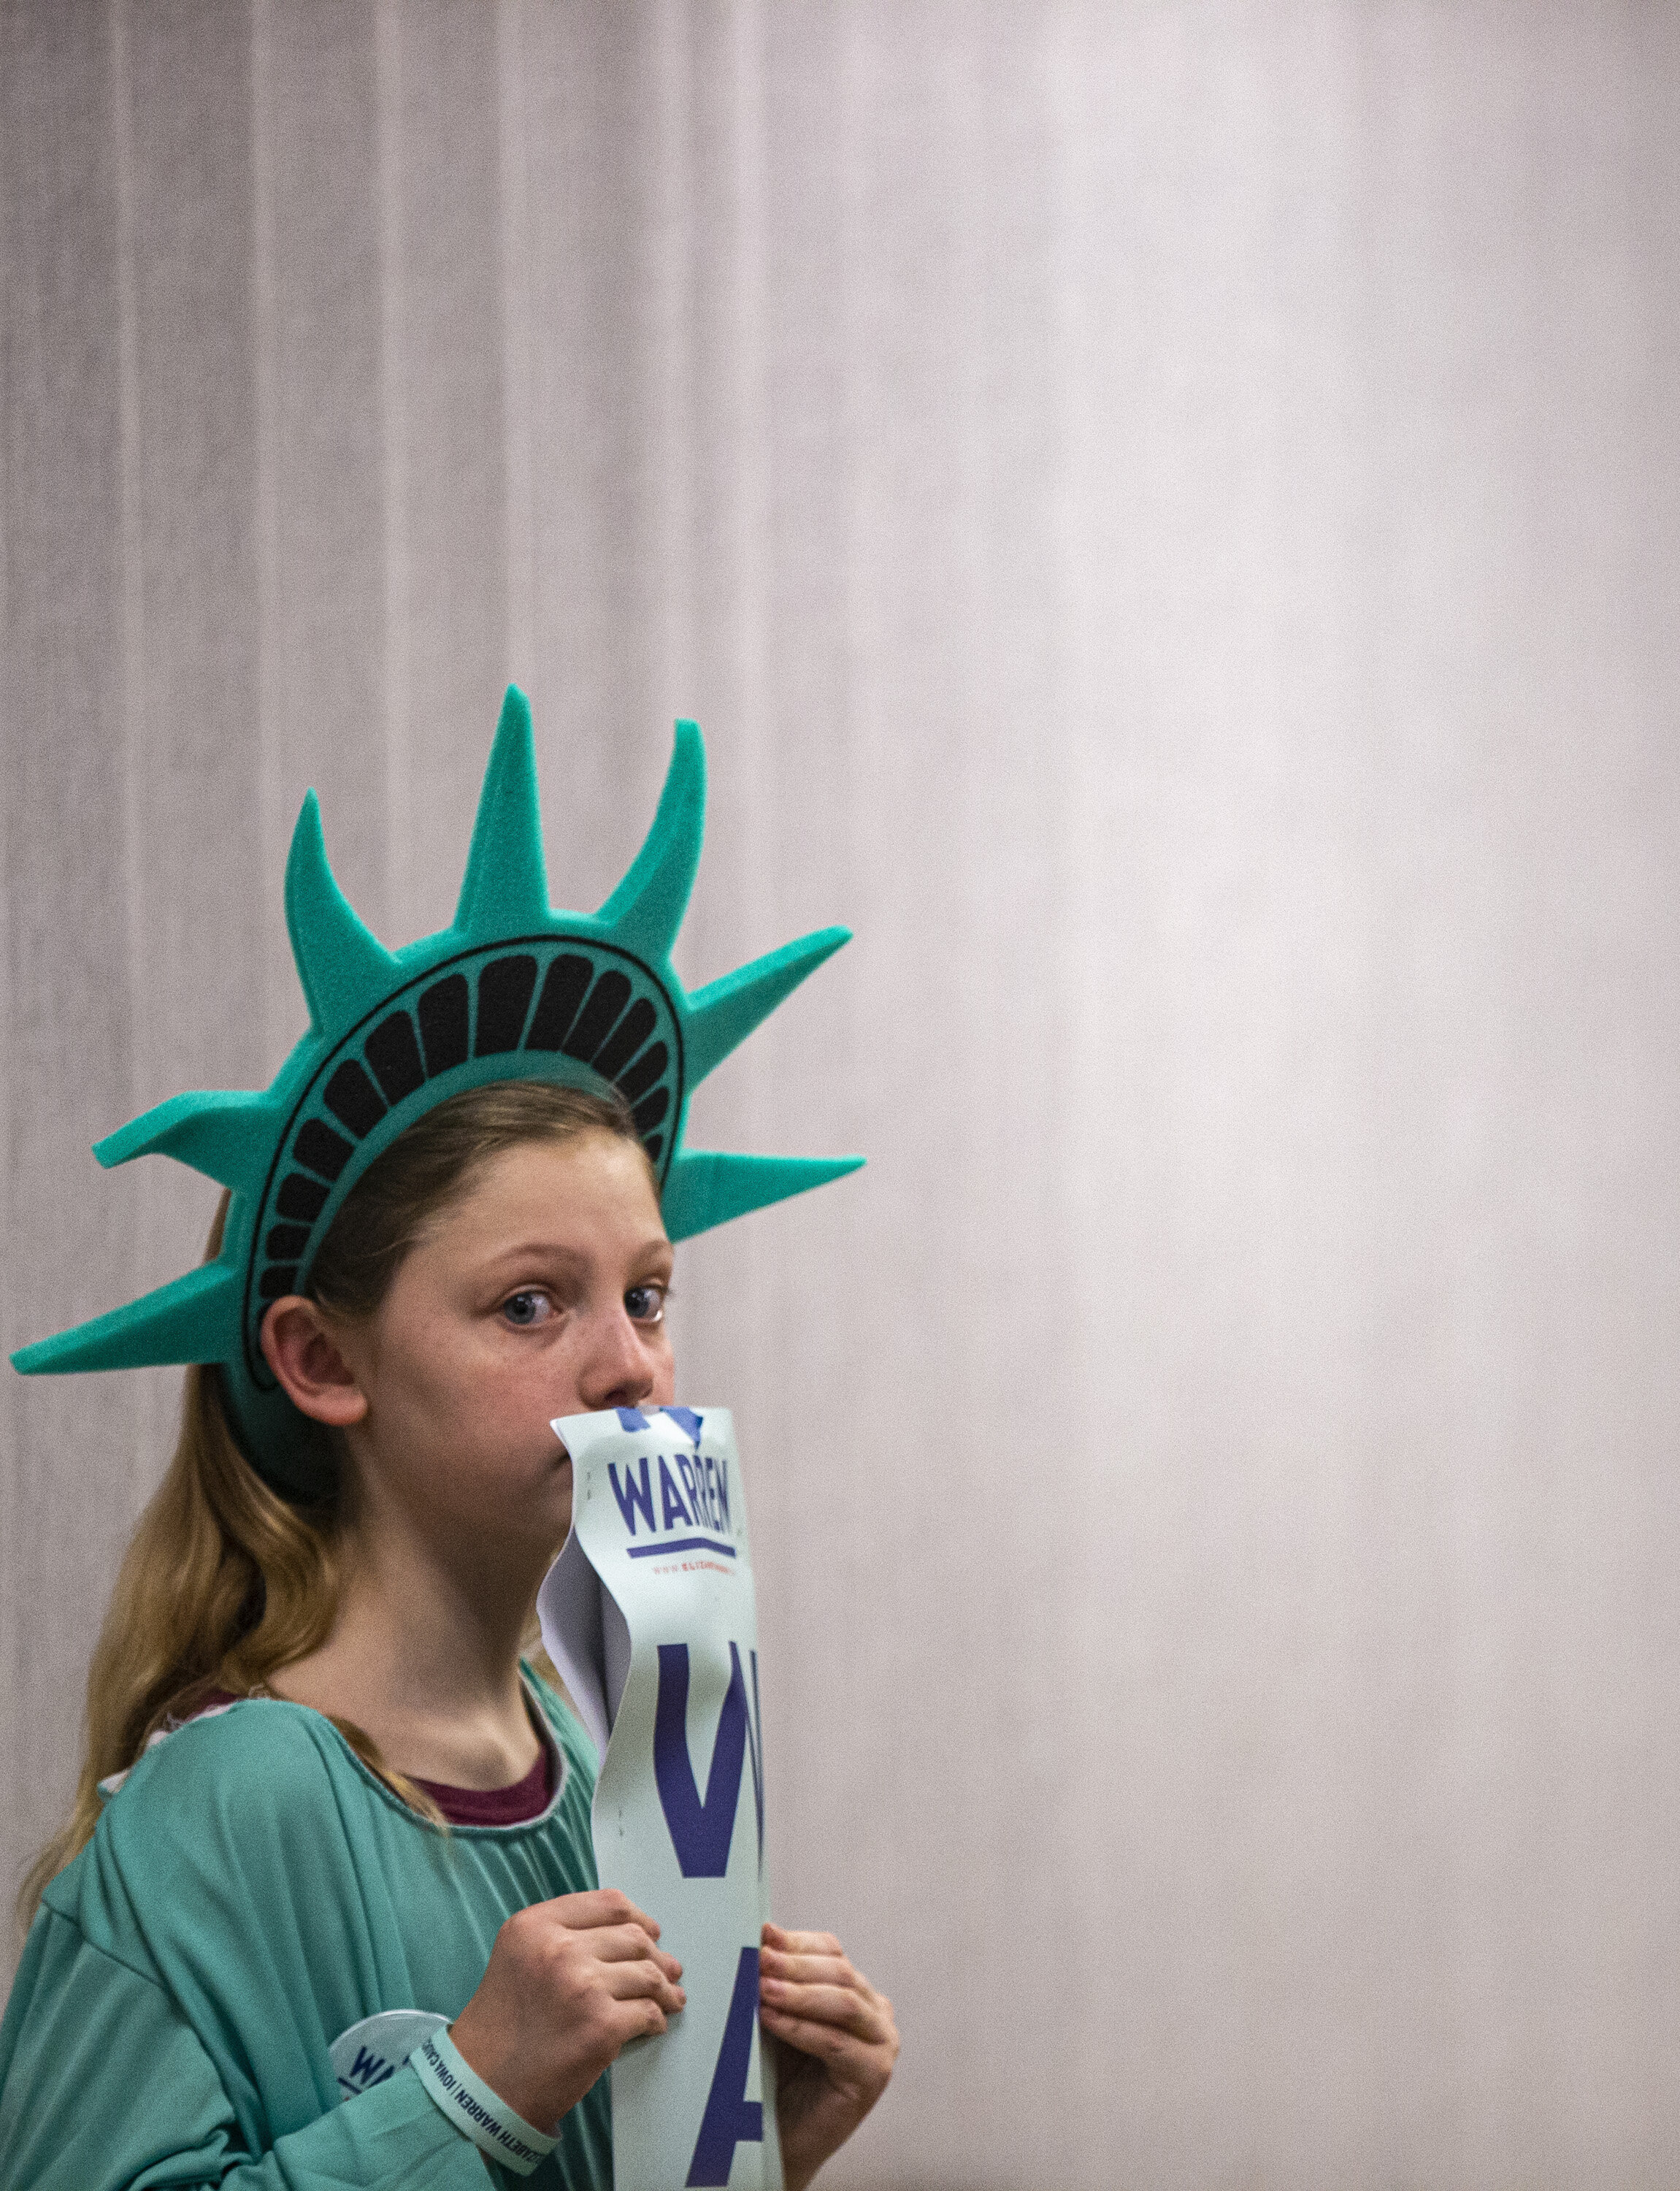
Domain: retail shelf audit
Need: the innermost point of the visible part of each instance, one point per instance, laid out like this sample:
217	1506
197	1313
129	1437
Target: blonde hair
224	1582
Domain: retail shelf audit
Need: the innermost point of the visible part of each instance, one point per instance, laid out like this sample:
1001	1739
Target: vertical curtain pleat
65	717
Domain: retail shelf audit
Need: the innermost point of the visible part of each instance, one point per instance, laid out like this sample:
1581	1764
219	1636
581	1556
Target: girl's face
540	1293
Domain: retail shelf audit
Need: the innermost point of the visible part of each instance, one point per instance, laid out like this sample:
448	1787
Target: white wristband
475	2110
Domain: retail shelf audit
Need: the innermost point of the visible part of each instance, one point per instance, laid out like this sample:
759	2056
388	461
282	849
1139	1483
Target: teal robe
252	1890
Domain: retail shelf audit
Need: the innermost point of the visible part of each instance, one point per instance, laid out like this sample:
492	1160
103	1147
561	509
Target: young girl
328	1804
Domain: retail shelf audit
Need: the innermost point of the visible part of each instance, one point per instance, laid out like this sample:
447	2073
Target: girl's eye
645	1304
524	1309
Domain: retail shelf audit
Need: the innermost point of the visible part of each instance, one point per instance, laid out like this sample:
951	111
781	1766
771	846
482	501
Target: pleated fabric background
1168	514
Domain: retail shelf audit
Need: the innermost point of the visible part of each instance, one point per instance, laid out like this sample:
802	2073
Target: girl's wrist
506	2068
477	2109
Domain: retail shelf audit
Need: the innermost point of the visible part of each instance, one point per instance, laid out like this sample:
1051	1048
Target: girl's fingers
810	1969
628	1943
835	2007
603	1905
642	1981
853	2068
820	2040
801	1943
811	1999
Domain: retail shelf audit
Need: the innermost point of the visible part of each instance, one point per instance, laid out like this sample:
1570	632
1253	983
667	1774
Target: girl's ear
300	1346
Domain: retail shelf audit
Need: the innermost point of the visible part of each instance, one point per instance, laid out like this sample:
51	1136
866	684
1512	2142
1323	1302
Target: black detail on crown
301	1199
593	1003
323	1150
625	1040
602	1007
353	1101
443	1024
562	993
394	1055
648	1067
504	998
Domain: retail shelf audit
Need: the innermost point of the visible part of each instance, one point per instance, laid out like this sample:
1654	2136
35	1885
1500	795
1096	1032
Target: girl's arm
836	2044
173	2017
105	2086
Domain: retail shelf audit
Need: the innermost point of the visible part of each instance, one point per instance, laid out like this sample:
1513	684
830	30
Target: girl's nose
616	1372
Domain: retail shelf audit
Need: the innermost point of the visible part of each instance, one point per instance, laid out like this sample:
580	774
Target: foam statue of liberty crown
513	990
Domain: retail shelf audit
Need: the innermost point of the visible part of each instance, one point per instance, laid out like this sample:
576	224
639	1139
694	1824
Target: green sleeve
104	2086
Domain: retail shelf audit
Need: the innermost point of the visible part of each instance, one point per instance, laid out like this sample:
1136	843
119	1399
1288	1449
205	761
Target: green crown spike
506	885
513	990
646	909
171	1323
224	1133
724	1013
343	965
707	1187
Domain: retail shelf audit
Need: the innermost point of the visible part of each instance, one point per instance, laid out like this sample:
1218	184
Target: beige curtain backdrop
1168	514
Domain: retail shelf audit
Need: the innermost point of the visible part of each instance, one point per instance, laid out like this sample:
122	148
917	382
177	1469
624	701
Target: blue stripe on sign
680	1545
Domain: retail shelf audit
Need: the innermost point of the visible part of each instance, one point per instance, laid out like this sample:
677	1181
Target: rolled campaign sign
648	1614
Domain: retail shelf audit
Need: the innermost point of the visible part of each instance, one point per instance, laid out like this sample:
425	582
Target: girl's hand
569	1982
836	2043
